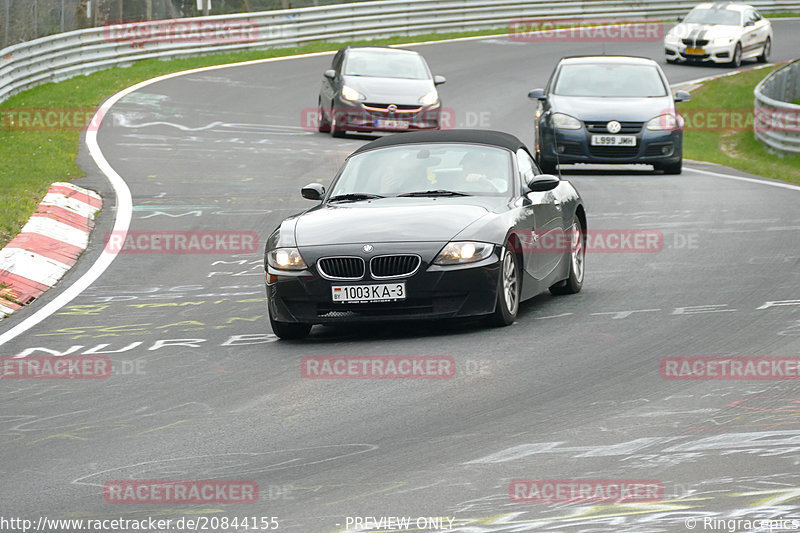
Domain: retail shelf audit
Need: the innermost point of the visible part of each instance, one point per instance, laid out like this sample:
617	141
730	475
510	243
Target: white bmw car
720	33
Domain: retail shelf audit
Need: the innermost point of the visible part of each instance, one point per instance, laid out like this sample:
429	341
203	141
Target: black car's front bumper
433	292
574	146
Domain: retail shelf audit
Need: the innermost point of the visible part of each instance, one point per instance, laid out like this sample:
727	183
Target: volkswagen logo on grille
613	126
367	248
392	108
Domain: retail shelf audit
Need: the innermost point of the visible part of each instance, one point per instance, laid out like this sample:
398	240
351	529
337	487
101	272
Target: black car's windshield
437	169
383	64
609	80
725	17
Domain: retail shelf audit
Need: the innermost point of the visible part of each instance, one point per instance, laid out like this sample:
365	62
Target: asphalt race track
202	390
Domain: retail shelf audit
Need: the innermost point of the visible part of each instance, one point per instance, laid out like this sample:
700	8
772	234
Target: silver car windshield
437	168
724	17
385	65
609	80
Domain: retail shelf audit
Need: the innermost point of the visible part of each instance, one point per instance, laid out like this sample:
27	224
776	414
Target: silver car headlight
430	98
458	253
672	38
565	122
351	95
666	122
286	259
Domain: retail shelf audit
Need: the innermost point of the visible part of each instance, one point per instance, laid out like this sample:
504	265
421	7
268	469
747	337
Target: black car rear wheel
289	330
574	282
508	291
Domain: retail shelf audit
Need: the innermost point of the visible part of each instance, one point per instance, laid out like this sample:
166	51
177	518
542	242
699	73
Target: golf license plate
695	51
388	124
380	292
613	140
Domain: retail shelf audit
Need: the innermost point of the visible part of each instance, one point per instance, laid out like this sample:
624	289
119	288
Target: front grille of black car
341	267
593	126
614	151
384	108
393	266
693	43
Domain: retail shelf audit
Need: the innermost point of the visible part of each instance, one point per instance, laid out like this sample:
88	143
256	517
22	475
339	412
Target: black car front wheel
289	330
508	290
335	129
574	283
324	124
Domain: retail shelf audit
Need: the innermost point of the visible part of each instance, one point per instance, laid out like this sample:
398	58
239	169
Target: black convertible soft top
490	137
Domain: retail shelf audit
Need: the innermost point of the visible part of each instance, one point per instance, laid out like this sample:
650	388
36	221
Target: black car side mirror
680	19
543	182
537	94
749	23
438	80
313	191
330	73
682	96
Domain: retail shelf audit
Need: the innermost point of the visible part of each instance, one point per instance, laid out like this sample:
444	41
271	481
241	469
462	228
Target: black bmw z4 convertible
426	225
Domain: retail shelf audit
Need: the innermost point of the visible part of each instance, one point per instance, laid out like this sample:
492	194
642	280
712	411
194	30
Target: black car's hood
390	90
386	220
621	109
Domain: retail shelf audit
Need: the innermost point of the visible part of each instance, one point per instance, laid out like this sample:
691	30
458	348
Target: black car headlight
565	122
458	253
286	259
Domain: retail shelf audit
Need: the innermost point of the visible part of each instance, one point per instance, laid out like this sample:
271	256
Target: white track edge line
765	181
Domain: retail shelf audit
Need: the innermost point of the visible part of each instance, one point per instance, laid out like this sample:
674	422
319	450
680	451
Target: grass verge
717	105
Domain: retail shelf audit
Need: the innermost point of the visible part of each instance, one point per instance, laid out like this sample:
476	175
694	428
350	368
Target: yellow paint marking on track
160	428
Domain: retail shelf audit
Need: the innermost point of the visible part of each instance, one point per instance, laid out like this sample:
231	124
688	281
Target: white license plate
391	124
613	140
382	292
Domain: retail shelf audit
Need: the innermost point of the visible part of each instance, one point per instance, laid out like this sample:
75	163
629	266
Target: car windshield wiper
435	192
353	197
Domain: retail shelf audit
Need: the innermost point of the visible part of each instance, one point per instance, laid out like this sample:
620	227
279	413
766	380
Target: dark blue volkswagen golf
608	109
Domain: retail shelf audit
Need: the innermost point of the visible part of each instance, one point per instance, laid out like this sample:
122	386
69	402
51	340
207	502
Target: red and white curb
47	246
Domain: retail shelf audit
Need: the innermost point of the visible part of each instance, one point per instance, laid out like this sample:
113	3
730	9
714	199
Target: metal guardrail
777	120
65	55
